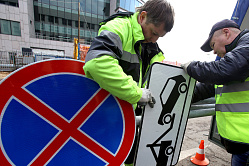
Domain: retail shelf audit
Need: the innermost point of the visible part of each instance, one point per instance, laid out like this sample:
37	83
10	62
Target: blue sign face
62	119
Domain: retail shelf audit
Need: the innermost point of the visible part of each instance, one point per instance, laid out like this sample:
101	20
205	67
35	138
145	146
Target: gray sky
193	22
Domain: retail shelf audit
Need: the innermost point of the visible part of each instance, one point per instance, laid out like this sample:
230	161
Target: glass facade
59	18
129	5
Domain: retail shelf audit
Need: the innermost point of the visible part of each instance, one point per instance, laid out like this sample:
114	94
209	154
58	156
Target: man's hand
185	66
147	98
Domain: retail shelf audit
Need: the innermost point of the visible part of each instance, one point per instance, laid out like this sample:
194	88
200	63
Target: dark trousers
240	159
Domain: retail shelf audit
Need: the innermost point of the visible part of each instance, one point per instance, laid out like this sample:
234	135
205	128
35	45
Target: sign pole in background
51	114
162	128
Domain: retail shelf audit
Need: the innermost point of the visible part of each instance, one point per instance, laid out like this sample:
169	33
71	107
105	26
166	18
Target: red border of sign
13	82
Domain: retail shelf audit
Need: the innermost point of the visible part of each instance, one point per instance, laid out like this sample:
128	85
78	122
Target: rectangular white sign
163	127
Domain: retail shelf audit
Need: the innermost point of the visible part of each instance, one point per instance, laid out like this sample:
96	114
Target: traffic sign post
51	114
162	127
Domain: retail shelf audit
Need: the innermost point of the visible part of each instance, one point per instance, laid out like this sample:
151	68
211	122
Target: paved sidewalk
197	130
3	74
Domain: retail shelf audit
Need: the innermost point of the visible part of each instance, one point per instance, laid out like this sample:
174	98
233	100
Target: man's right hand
147	98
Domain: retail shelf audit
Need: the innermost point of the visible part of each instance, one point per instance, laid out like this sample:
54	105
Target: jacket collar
121	14
137	29
232	45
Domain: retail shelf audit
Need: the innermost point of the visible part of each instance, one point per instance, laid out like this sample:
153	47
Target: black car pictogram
179	87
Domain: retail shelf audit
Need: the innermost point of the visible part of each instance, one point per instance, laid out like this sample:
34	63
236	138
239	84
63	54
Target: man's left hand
185	66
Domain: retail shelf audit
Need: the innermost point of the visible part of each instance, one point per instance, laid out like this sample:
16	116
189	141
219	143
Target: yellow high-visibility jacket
114	59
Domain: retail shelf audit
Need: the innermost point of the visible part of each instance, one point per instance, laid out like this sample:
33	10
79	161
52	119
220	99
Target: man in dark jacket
228	80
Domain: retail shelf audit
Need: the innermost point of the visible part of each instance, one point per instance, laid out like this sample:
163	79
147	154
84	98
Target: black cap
219	25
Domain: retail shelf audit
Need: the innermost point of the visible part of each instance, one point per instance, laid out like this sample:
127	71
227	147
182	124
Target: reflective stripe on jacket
114	58
232	111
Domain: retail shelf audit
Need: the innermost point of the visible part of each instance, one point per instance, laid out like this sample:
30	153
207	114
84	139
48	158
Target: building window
64	21
42	17
5	27
91	26
70	22
77	24
129	5
56	20
10	2
82	24
51	19
15	28
10	27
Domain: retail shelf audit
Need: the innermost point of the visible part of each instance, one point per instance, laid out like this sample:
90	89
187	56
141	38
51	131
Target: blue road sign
51	114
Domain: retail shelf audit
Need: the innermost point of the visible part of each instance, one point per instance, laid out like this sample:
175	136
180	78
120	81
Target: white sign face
163	127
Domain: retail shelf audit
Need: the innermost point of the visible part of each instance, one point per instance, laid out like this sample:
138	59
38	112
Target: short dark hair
158	12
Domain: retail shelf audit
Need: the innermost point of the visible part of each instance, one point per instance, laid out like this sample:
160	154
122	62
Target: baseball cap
219	25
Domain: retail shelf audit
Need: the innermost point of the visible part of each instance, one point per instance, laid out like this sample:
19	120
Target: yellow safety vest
232	111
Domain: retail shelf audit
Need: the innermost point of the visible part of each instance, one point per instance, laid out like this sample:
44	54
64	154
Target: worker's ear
226	32
142	17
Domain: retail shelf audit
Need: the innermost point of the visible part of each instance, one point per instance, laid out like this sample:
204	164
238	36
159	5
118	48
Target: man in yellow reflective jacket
120	56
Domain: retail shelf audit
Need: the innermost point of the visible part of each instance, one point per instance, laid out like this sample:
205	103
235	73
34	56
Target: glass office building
59	18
